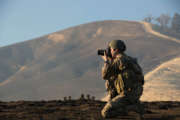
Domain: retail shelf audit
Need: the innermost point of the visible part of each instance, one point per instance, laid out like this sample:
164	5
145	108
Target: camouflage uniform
124	83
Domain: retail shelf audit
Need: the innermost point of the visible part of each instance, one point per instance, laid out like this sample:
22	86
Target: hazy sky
22	20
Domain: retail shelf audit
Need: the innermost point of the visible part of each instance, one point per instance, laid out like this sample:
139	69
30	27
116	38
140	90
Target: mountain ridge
73	67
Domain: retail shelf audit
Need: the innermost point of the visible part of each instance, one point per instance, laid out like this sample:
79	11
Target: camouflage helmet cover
118	44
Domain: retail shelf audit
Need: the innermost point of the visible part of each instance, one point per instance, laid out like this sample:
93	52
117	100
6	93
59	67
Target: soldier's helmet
118	44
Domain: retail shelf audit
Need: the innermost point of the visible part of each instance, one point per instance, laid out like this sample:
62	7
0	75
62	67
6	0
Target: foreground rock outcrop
83	110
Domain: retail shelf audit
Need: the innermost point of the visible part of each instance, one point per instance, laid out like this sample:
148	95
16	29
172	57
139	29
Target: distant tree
176	22
148	19
163	20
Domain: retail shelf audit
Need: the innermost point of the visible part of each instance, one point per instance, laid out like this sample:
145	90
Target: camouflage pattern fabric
124	83
112	92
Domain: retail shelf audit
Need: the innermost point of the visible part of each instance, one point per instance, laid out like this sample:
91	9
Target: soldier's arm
110	68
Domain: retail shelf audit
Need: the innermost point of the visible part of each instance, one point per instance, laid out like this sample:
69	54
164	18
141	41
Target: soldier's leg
111	90
114	106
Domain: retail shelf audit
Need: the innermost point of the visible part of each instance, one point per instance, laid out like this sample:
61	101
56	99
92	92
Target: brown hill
66	62
84	110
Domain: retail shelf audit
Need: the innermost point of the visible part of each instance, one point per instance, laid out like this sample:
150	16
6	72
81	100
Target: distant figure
65	98
69	98
124	79
93	98
88	97
82	97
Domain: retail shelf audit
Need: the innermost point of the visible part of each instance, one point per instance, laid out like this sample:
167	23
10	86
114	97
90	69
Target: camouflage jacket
124	75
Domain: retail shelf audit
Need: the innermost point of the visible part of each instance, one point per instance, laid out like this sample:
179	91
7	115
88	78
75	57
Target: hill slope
66	62
162	84
149	29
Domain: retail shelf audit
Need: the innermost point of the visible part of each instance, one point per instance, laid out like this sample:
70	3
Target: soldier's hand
105	56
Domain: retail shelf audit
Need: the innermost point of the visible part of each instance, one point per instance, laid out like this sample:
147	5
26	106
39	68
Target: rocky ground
83	110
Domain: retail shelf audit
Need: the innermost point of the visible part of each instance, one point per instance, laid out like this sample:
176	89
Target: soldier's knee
106	110
105	113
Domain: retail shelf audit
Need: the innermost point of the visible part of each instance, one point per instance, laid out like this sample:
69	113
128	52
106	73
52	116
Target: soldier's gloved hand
105	58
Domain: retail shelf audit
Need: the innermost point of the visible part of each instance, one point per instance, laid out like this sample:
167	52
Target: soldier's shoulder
122	57
125	59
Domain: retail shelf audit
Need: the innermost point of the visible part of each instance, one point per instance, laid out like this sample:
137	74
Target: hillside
83	110
66	62
162	84
166	31
149	28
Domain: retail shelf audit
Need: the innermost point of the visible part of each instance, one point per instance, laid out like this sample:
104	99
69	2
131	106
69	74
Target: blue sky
22	20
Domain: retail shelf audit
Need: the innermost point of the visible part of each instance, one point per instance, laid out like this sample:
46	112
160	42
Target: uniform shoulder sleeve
123	62
111	68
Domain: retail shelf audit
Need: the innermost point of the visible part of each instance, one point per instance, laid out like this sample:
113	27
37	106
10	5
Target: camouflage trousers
111	90
119	103
114	106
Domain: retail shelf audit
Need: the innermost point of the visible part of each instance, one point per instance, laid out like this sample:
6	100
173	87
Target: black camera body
102	51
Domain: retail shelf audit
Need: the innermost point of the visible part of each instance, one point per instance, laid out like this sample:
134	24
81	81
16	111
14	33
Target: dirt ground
83	110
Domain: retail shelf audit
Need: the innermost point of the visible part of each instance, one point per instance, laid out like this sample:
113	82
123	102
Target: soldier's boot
138	107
